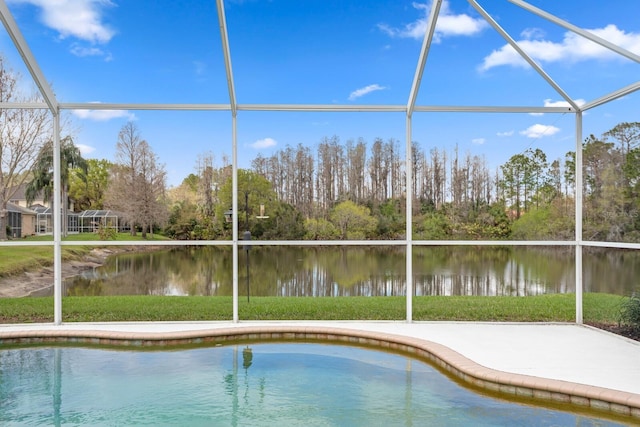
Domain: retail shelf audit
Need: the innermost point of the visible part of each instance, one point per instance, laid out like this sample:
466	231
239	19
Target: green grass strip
601	308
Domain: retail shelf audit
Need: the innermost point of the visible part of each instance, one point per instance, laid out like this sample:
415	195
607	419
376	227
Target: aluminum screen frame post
57	224
578	219
409	225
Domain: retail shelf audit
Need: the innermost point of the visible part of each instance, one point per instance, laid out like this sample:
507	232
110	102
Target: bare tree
330	177
396	183
458	182
480	183
151	185
206	184
137	185
418	170
439	174
303	190
356	164
22	134
378	172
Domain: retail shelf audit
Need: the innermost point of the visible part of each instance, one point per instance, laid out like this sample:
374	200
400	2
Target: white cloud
85	149
573	48
550	103
264	143
78	19
538	131
506	133
365	90
565	104
81	51
103	115
448	24
81	19
532	33
478	141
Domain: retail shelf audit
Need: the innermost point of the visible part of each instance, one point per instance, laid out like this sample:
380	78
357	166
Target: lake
359	271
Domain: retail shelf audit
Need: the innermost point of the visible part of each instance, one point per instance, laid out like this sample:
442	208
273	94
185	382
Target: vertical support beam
57	223
408	219
234	208
578	217
411	103
224	36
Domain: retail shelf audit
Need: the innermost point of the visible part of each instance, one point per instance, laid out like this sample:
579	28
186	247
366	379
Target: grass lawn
601	308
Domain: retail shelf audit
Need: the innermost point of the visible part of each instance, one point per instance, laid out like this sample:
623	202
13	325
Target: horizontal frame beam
330	108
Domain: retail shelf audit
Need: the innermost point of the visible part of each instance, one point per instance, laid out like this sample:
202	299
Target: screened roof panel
454	76
97	214
127	52
178	138
581	67
490	72
322	52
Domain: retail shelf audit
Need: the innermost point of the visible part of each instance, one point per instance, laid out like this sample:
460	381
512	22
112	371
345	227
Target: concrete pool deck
566	363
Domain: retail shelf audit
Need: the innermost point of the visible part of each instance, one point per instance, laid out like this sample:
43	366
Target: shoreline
31	282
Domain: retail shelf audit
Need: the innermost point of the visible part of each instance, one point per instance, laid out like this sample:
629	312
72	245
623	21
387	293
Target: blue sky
326	52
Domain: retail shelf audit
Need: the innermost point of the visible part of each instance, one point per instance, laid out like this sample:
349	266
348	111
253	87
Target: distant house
40	220
41	209
22	221
20	198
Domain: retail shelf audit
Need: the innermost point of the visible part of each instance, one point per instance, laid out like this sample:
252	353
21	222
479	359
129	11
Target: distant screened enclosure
91	221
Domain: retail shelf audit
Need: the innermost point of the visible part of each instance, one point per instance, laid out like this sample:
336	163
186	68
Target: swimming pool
308	384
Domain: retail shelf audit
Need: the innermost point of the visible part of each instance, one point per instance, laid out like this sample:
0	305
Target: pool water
285	384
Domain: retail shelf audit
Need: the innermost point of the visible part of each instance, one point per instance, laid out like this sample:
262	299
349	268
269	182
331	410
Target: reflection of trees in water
126	274
361	271
339	272
614	271
183	271
492	271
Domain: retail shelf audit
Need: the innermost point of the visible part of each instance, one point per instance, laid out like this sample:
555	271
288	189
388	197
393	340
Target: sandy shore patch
30	282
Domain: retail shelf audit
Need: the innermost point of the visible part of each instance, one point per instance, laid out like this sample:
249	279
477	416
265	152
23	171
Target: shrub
107	233
630	311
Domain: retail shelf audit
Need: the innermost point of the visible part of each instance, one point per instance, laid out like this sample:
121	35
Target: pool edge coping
615	402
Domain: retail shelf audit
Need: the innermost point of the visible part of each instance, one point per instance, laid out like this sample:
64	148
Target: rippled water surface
293	384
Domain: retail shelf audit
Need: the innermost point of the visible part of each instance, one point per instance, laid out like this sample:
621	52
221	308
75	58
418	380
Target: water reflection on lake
365	271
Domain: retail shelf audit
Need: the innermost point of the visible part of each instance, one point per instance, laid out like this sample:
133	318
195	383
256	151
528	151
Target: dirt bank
31	282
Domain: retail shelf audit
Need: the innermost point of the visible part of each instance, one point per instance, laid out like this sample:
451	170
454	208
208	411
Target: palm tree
70	157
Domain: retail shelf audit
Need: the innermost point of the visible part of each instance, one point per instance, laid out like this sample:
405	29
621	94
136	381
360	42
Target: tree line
336	190
353	191
356	190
